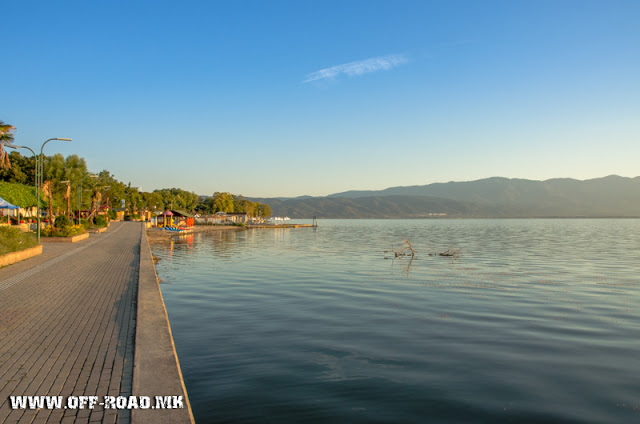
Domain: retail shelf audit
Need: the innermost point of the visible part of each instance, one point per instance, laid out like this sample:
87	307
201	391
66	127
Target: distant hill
368	207
496	197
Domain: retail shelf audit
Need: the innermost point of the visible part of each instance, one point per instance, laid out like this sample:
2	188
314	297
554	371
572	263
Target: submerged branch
405	250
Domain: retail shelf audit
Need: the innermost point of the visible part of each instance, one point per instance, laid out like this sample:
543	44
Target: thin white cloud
361	67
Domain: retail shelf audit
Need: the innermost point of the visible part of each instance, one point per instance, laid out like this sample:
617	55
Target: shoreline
156	235
156	363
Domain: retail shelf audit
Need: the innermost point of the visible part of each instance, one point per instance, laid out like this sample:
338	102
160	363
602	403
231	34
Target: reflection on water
402	263
538	320
183	239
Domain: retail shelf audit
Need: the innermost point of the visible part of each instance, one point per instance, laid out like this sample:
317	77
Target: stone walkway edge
156	369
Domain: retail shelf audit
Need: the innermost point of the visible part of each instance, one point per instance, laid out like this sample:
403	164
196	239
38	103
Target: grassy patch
14	240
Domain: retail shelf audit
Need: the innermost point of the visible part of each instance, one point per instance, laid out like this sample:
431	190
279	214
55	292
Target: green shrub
62	222
113	214
14	240
100	221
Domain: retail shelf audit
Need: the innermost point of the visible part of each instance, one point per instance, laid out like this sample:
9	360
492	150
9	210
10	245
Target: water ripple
537	321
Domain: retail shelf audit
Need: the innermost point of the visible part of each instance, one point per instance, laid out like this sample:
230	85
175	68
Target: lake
535	321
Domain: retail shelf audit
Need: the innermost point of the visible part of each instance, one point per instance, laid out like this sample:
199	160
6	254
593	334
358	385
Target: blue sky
290	98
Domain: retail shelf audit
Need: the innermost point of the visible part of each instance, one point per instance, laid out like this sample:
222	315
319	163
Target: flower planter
13	257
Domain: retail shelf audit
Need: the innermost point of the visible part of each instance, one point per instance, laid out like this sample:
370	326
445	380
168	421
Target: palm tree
47	188
6	137
95	203
67	196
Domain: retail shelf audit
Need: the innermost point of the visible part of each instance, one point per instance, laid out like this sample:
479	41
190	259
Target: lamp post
40	179
39	174
35	177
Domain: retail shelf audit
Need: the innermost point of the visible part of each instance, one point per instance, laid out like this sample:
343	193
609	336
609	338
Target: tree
222	202
153	200
113	190
22	169
240	204
96	197
53	175
265	210
6	137
134	199
203	207
75	171
176	198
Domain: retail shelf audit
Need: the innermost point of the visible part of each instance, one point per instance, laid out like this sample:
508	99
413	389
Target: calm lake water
537	321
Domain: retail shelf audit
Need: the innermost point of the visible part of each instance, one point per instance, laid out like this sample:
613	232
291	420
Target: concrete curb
98	230
156	370
13	257
72	239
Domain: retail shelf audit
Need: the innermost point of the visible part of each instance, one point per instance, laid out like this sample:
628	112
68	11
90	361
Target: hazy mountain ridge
368	207
495	197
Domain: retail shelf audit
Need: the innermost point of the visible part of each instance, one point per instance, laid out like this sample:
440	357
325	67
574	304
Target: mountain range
495	197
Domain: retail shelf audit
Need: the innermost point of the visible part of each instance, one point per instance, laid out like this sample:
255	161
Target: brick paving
67	326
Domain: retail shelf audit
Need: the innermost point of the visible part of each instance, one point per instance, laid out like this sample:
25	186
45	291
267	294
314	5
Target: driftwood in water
407	250
404	250
450	252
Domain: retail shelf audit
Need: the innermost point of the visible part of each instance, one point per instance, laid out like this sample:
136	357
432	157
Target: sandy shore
157	235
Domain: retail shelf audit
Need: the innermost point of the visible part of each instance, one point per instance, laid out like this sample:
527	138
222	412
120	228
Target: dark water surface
537	321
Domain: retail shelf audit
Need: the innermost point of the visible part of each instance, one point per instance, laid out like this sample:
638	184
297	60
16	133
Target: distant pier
280	226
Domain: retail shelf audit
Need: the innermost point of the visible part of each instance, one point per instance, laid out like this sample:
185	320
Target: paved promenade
67	326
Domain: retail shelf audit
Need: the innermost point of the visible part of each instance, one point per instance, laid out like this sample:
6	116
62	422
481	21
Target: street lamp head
15	146
54	138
